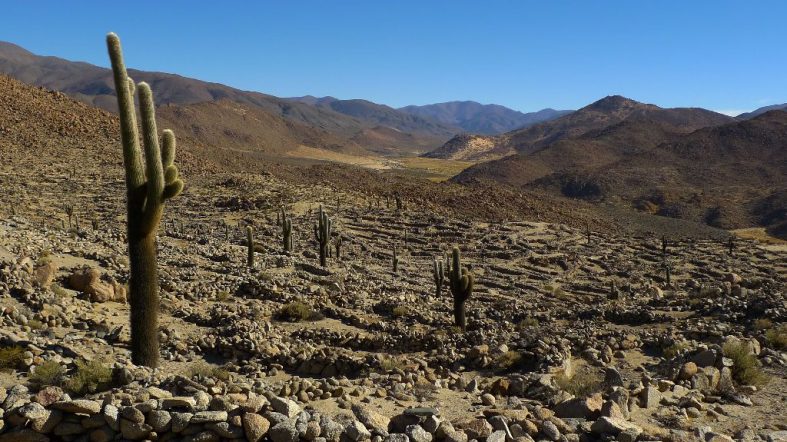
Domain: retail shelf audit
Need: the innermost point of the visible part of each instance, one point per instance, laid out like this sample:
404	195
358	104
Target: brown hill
592	150
93	85
227	124
727	176
46	132
603	113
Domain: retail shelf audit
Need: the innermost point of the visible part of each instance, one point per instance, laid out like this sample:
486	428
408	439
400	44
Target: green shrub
59	291
400	311
48	373
675	349
584	383
204	370
298	311
777	337
89	377
11	357
222	296
509	360
763	324
745	366
44	258
35	324
527	323
390	363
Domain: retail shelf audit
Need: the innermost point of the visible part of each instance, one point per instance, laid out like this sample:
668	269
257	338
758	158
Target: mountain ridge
94	85
595	116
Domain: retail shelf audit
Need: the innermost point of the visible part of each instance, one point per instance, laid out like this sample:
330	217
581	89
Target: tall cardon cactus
150	181
322	233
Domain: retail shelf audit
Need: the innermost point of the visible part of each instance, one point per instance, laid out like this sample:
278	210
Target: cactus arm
128	121
168	149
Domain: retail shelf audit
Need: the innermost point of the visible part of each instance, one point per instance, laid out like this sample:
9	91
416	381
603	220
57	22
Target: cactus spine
461	282
148	185
286	232
322	233
250	245
439	275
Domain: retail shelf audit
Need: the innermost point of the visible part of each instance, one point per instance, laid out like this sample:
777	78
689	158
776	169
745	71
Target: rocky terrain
569	337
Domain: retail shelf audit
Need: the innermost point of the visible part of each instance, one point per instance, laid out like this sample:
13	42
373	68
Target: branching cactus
461	282
439	275
250	245
149	182
322	233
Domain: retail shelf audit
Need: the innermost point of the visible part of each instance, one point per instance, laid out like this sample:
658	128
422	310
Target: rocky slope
721	175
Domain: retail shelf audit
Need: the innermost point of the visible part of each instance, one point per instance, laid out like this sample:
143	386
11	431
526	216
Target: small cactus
461	282
439	275
664	247
69	209
286	232
667	273
322	233
395	260
337	244
250	245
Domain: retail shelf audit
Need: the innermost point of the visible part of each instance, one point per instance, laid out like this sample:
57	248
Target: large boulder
582	408
88	280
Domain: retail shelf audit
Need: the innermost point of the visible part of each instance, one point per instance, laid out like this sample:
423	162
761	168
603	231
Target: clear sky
723	55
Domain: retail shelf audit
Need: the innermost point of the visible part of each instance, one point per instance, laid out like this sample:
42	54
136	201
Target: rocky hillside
603	113
483	119
722	175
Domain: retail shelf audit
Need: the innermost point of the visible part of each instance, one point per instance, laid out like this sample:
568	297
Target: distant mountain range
343	125
762	110
484	119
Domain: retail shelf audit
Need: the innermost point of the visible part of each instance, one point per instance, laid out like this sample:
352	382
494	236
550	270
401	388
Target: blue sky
722	55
